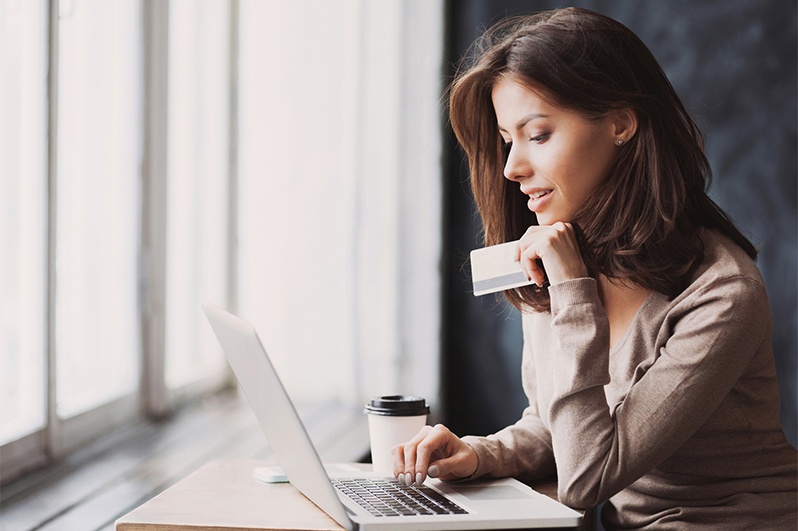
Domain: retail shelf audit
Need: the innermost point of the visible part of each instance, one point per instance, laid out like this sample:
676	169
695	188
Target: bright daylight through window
23	219
155	155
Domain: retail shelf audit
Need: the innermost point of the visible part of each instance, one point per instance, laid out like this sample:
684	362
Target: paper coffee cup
393	420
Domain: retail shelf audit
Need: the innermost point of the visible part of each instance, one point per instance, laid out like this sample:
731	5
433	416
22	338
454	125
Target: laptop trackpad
483	492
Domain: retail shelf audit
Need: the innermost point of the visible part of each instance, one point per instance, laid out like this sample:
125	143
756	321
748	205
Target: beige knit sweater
677	425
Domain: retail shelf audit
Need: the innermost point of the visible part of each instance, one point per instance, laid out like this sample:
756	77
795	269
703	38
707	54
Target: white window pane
196	261
23	175
98	198
339	167
298	214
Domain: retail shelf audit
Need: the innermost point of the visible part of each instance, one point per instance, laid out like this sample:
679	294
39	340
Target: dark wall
733	63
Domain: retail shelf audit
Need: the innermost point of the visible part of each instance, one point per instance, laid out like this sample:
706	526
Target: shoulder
727	278
724	259
724	263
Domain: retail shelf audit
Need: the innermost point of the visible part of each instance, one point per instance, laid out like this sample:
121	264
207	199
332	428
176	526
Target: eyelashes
507	146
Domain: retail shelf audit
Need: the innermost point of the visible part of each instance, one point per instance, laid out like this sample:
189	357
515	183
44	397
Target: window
23	218
198	186
97	198
79	352
340	192
154	155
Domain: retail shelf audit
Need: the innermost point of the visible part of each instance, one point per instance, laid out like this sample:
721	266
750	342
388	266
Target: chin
549	218
546	220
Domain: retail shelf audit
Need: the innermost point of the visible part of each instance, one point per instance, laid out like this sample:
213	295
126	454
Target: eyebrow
526	119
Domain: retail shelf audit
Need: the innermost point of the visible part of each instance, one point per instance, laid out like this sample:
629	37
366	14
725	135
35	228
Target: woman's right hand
435	452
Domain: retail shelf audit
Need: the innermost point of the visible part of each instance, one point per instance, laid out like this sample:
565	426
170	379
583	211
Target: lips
537	194
537	197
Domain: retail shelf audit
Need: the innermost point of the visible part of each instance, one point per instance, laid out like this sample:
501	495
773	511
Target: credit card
494	269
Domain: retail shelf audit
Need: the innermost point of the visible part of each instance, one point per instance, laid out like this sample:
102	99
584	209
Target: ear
624	122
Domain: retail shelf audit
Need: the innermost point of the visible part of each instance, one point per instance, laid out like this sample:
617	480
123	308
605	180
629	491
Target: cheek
573	169
589	163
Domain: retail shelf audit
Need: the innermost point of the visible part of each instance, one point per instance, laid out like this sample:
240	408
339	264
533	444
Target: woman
647	356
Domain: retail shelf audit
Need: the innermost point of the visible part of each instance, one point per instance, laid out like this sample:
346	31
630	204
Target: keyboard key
384	497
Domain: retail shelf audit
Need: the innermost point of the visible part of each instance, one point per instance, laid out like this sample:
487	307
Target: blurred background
292	162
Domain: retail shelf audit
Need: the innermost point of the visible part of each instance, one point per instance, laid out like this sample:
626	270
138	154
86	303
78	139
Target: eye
540	138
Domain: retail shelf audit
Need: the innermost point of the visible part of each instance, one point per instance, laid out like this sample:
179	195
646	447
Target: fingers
529	254
434	452
412	458
432	448
553	247
525	254
404	457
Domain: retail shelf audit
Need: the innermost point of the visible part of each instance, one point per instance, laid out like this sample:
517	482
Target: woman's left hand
556	247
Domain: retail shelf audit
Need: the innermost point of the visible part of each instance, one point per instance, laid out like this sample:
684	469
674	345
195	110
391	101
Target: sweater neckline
632	324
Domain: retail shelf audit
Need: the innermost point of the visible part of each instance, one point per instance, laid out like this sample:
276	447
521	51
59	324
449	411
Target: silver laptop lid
275	411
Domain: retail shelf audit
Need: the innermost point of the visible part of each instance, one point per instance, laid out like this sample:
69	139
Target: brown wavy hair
642	223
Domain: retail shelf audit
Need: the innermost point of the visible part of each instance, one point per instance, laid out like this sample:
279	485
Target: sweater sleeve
522	450
711	342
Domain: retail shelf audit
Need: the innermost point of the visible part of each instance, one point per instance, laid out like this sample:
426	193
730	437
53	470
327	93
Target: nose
516	165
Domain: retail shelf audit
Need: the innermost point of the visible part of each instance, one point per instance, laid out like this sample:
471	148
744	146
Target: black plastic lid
398	406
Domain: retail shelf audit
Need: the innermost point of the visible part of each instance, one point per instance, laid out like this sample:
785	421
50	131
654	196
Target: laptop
494	504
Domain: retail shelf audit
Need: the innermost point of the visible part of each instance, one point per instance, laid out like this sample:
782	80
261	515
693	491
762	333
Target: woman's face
556	155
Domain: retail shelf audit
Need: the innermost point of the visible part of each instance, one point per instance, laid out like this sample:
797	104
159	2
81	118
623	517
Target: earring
620	142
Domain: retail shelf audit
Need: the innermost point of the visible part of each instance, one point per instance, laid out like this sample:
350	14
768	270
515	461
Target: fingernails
408	479
433	471
419	478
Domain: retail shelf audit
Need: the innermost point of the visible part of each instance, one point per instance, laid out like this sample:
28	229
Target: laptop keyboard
388	497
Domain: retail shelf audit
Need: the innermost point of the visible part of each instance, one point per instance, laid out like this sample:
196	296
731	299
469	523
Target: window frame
152	399
414	340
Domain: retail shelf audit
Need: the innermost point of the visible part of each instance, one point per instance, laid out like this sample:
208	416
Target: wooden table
222	495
